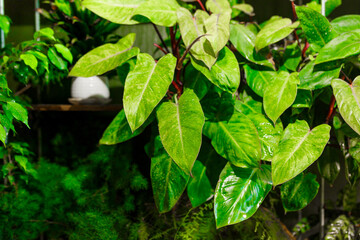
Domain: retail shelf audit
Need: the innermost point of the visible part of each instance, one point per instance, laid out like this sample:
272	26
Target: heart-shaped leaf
348	100
239	193
259	78
105	58
180	127
218	6
298	149
346	23
218	30
145	86
299	192
167	179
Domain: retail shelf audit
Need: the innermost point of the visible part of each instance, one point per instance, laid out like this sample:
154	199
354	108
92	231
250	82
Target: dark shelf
75	108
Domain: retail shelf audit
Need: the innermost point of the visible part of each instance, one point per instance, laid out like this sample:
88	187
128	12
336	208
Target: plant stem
21	91
201	5
331	109
159	47
173	40
346	77
181	60
295	18
161	39
306	47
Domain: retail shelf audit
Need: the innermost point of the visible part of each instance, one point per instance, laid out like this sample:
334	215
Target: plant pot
90	89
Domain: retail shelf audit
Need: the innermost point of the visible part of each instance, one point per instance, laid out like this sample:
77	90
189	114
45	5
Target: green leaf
298	149
346	45
105	58
180	128
304	99
19	112
292	57
41	57
2	134
218	30
274	32
299	192
329	164
160	12
354	150
235	139
258	79
218	6
145	86
45	32
316	27
346	23
269	135
192	28
244	41
117	11
280	95
239	193
199	188
119	130
341	228
64	6
26	165
167	179
5	24
65	52
55	59
245	8
312	79
348	101
225	73
196	81
30	60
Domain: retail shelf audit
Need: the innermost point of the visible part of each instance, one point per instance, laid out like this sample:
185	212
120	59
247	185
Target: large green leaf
280	95
304	99
199	188
298	149
258	79
346	45
145	86
225	73
348	101
330	5
192	29
218	6
167	179
18	111
239	193
299	192
180	127
312	79
118	11
160	12
119	130
346	23
218	30
274	32
105	58
196	81
244	41
316	27
235	139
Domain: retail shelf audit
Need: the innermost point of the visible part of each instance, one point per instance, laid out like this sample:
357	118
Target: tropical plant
256	91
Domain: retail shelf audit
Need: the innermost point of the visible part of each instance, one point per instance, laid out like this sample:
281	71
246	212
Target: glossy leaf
159	12
244	41
299	192
45	32
304	99
167	179
348	101
117	11
235	139
56	59
345	45
239	193
346	23
2	134
105	58
258	79
145	86
312	79
18	111
119	130
341	228
354	150
280	95
274	32
218	6
292	57
225	73
218	30
41	57
64	51
316	27
196	81
199	188
5	24
298	149
30	60
180	128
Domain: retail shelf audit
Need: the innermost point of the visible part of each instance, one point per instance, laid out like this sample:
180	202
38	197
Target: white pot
89	87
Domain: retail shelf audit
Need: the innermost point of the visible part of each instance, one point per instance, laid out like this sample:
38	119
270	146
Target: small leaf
274	32
348	101
354	150
41	57
225	73
2	134
19	112
316	27
55	59
258	79
346	23
341	228
45	32
167	179
145	86
245	8
5	24
292	57
30	60
244	41
280	95
299	192
239	193
65	52
105	58
298	149
180	128
199	188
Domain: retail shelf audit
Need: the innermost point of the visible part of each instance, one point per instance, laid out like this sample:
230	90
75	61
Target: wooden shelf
75	108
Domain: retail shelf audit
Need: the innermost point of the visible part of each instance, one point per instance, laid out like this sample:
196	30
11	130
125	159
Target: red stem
177	87
306	47
201	5
331	109
173	40
293	10
159	47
